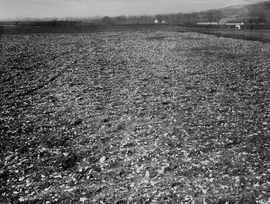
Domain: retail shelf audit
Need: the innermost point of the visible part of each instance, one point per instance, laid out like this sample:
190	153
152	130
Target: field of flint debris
134	117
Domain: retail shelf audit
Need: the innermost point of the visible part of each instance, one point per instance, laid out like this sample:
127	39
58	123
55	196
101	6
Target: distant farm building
223	23
156	21
231	23
207	23
235	25
163	22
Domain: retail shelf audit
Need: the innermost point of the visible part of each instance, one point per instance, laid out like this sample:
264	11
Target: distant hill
245	12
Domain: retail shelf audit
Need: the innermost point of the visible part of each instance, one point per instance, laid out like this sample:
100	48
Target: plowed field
134	117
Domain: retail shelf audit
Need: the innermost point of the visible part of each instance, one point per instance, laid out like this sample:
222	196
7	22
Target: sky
16	9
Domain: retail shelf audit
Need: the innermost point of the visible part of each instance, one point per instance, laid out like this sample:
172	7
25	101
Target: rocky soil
134	117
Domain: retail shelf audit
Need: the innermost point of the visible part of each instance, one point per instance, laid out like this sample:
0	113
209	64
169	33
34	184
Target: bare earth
134	117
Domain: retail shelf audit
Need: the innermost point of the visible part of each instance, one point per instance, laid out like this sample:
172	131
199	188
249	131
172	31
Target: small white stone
83	199
102	159
66	154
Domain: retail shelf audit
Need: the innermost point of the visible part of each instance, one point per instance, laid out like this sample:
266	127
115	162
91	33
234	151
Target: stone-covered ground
134	117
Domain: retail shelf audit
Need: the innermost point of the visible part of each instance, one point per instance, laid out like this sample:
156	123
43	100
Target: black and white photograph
134	102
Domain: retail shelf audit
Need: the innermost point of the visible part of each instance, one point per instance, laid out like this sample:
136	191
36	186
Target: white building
230	22
237	25
156	21
207	23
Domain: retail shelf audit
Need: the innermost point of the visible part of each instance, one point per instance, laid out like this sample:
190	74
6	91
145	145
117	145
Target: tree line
176	19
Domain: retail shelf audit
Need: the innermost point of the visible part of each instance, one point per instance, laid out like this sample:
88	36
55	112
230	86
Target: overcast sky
12	9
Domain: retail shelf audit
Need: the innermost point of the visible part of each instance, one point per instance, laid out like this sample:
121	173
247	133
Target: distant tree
120	20
257	20
213	15
1	31
107	20
261	20
147	19
159	18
